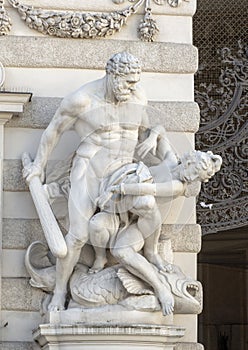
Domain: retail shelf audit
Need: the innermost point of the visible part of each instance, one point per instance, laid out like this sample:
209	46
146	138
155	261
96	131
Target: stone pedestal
107	329
94	337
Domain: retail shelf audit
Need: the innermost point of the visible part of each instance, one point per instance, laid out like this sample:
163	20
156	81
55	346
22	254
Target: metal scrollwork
224	130
5	21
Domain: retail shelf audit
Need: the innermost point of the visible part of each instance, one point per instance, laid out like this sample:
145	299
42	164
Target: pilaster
10	103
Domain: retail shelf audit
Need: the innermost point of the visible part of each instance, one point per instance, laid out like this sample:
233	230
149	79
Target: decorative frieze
5	23
78	24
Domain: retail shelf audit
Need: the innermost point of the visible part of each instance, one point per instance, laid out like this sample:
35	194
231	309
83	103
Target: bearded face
122	86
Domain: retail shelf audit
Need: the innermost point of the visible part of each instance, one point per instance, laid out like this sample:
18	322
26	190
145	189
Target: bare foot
162	265
98	265
167	301
57	303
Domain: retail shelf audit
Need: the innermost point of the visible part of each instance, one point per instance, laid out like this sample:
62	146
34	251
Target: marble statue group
113	197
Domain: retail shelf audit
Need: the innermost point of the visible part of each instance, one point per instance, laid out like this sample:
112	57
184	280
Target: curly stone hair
123	63
206	161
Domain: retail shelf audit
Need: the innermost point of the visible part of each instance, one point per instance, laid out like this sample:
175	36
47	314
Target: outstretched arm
172	188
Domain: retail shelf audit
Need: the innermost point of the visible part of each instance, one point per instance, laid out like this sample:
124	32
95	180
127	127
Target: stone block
184	238
37	114
16	346
20	325
189	346
20	233
175	116
18	295
67	53
12	176
13	263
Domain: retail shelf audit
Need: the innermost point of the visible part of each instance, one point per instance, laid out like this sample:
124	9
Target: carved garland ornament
5	21
223	202
71	24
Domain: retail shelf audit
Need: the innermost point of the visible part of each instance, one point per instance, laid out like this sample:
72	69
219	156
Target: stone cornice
41	52
175	116
12	103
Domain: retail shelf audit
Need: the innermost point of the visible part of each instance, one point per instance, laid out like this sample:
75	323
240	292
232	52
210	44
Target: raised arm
64	118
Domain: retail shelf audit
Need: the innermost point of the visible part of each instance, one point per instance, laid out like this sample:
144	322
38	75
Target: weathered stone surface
18	295
189	346
19	326
19	233
12	176
16	346
37	113
175	116
184	238
67	53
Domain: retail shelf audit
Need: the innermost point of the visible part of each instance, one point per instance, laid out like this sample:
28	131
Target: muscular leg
64	268
149	223
125	250
101	227
81	208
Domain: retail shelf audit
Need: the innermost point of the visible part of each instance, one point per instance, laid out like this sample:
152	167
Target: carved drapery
224	130
71	24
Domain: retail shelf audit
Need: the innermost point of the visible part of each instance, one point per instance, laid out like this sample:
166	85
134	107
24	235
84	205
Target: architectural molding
19	233
83	25
121	336
176	116
10	103
66	53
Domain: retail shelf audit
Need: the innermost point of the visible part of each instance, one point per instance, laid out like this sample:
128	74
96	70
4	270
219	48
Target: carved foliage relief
71	24
5	21
224	130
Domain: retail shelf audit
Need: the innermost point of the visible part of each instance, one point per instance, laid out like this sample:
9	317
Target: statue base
77	329
103	337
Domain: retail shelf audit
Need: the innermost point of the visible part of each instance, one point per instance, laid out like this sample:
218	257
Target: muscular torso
108	132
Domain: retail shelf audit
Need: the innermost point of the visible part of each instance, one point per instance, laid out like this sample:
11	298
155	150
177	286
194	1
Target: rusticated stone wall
50	68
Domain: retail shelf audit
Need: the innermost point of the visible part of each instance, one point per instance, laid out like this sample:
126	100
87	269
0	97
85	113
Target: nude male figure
108	115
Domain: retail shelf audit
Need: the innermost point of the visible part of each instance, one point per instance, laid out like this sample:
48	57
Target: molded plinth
94	337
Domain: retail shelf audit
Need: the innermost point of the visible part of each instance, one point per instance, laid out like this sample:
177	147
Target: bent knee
74	242
122	254
146	203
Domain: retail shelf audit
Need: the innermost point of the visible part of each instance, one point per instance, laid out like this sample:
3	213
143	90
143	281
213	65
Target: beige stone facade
49	68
